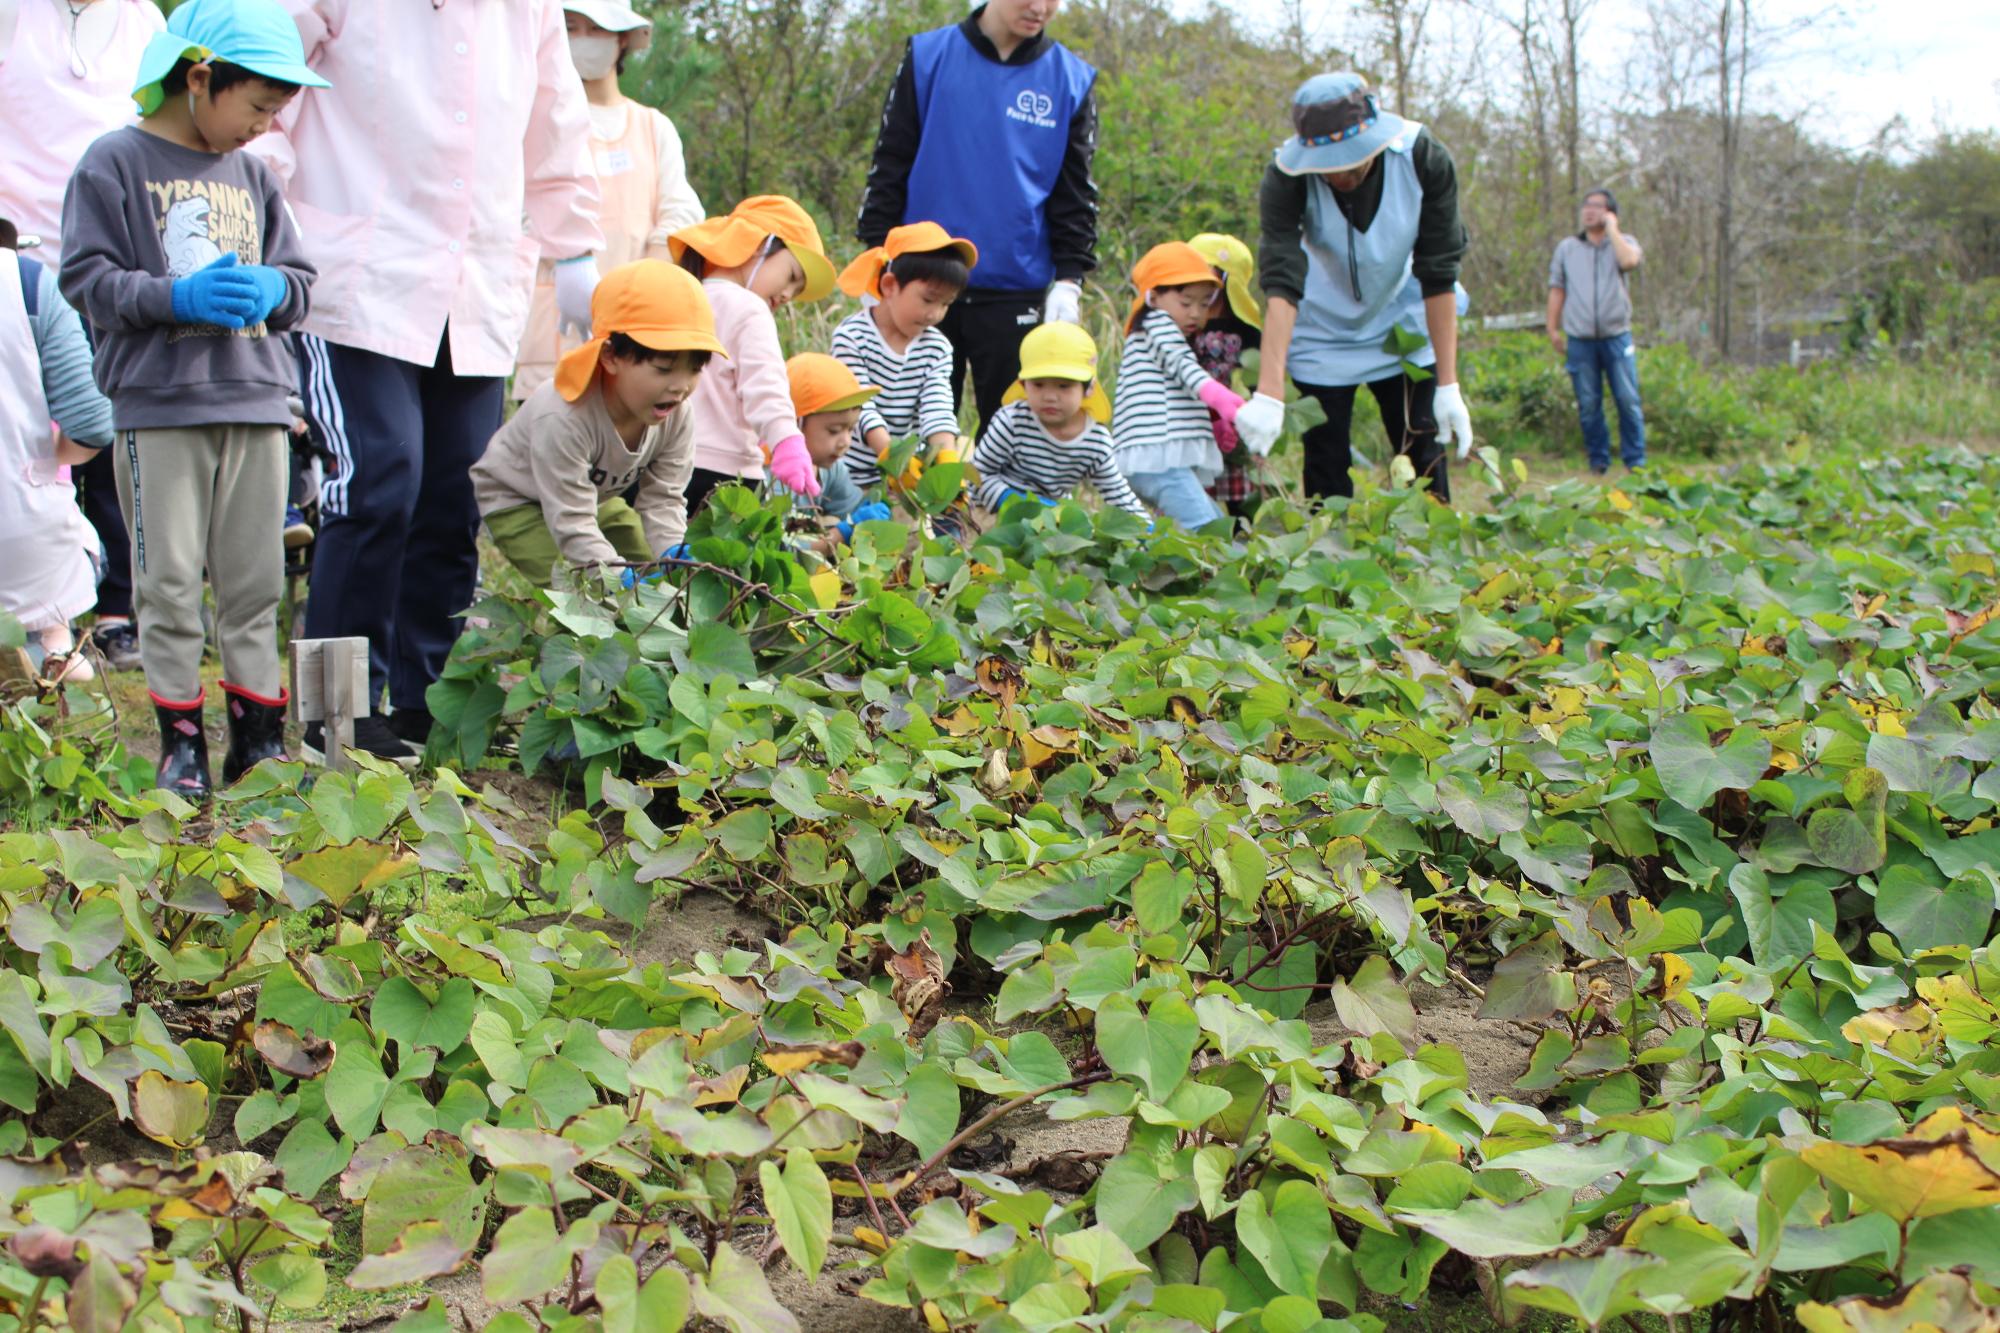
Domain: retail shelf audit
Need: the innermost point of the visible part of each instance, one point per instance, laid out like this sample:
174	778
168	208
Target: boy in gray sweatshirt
180	250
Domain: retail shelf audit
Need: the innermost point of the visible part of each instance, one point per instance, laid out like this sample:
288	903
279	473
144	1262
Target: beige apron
628	186
46	578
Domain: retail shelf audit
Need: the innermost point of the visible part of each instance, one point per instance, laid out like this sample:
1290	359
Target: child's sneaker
118	640
298	532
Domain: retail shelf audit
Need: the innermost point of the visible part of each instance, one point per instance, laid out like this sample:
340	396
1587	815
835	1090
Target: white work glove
1259	422
576	279
1453	421
1065	303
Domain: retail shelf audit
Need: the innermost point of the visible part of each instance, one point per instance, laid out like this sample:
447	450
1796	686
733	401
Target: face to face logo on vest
1033	108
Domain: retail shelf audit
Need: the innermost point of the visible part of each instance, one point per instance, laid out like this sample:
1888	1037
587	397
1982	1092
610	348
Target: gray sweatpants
211	496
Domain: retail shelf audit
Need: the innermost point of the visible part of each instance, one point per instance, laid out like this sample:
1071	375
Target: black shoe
256	730
1599	469
372	735
119	642
413	725
183	748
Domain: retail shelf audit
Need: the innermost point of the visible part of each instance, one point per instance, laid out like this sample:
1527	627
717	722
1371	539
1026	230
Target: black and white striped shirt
1016	453
1158	418
916	388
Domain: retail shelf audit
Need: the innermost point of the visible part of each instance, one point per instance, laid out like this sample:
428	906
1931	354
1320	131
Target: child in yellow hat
550	485
1235	325
763	255
1167	443
830	402
912	277
1039	445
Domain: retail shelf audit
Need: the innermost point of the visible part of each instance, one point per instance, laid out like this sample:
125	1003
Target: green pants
524	537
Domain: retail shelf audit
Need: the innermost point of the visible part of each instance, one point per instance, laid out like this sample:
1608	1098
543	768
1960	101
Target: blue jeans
1591	361
1178	494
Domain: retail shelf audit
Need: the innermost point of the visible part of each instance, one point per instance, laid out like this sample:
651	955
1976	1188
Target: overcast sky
1854	64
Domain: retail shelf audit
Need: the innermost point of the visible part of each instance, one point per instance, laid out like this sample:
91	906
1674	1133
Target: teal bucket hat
256	34
1338	124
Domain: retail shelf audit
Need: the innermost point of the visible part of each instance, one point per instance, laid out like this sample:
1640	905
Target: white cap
614	16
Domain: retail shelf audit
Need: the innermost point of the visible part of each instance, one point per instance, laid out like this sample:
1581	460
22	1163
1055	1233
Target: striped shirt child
916	389
1017	453
1158	419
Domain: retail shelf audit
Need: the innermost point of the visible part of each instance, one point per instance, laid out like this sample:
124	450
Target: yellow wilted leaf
1873	605
168	1110
720	1090
1674	977
872	1240
826	588
934	1318
1619	500
1888	723
1564	701
1299	646
1875	1027
1964	1014
791	1059
1911	1177
1938	1303
1784	761
1763	645
1442	1147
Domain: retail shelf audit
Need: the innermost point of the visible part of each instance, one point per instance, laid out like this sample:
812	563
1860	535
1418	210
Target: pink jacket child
452	155
763	255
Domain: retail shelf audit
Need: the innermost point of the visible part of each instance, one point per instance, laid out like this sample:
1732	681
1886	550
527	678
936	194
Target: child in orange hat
895	342
764	255
830	402
550	485
1161	422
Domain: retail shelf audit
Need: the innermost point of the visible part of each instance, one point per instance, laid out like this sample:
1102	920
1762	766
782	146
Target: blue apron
1358	283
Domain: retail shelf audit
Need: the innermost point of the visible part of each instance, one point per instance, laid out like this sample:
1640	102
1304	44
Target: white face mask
594	57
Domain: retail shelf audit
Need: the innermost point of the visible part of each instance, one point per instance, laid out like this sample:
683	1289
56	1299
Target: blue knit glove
674	554
271	290
1011	494
221	294
873	511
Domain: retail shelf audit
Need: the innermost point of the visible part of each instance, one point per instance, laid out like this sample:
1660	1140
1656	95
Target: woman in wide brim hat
1361	236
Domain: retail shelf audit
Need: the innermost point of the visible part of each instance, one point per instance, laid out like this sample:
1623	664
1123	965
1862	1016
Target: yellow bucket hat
651	302
735	239
1059	351
1238	266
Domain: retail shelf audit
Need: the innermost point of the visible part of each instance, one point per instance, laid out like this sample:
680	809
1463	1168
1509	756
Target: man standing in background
450	125
1590	325
989	131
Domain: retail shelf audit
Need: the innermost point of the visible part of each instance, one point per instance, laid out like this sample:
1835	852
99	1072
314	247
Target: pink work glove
1221	400
1225	436
793	466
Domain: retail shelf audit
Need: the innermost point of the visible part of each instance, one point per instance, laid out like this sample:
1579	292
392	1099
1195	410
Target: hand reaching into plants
1259	422
792	466
1454	422
1222	400
873	511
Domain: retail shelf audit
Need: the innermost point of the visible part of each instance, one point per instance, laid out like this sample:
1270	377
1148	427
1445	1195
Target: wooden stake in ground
330	686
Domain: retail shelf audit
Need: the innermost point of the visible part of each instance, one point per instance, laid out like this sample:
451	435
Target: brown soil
1495	1053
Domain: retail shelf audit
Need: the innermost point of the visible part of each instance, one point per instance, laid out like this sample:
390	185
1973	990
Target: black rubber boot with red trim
183	747
256	730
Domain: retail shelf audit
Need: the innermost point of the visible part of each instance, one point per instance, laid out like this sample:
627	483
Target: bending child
551	484
180	249
912	280
1040	445
764	255
830	403
1167	443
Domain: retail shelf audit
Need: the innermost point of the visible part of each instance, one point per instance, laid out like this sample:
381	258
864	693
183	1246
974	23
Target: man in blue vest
989	131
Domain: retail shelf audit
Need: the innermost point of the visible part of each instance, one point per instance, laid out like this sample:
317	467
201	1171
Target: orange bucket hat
1170	265
736	238
864	275
821	383
651	302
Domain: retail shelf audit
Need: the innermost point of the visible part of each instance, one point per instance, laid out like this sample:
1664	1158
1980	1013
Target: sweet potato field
1685	792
